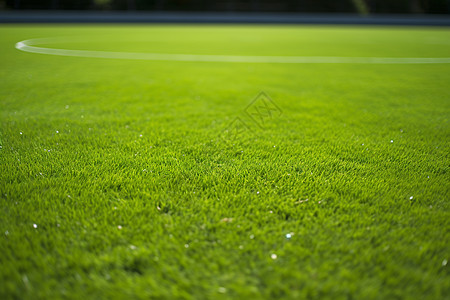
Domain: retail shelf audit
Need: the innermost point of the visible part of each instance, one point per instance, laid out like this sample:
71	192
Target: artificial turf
119	180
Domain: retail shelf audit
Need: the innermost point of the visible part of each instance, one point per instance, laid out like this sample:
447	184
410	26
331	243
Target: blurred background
362	7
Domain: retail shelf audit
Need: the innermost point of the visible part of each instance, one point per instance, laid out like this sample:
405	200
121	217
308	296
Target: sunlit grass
116	183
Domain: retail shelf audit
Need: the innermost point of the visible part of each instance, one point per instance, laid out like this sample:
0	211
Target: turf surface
119	181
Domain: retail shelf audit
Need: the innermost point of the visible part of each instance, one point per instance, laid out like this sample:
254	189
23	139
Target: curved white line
26	46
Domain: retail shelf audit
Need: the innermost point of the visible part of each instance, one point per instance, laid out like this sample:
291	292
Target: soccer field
224	162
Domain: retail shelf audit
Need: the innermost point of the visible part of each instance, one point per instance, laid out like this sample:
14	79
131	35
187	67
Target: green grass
138	146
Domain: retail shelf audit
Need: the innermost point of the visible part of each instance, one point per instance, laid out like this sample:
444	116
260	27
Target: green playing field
224	162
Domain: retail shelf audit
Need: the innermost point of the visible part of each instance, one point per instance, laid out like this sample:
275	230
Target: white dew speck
273	256
21	132
186	245
410	198
392	141
252	236
257	192
140	135
222	290
362	144
444	262
35	225
119	227
26	281
288	235
57	131
133	247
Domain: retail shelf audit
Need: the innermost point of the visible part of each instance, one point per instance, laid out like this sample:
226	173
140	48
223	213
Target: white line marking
26	46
